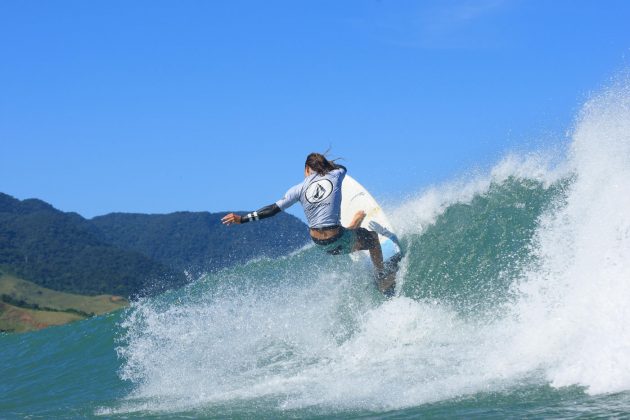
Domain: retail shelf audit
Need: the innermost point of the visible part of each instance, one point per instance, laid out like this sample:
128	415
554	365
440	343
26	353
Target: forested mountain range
125	254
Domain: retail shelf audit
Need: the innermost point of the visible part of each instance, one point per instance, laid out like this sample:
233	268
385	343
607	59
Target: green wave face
474	252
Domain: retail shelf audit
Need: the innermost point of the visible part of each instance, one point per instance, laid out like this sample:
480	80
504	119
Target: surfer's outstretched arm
263	213
291	197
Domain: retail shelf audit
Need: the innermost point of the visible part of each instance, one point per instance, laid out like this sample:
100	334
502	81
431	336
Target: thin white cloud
443	25
453	24
470	10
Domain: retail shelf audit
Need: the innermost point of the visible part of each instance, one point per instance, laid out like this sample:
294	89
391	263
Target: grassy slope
16	319
24	306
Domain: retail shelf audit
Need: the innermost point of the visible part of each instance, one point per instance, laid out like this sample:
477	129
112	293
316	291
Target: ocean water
513	301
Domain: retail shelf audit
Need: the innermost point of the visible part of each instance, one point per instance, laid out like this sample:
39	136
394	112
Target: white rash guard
320	196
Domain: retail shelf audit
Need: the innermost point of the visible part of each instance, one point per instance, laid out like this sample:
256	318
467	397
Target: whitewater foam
575	301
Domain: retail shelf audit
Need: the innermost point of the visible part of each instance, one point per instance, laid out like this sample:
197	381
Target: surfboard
355	197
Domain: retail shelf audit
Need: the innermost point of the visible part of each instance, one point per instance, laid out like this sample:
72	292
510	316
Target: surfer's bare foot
357	219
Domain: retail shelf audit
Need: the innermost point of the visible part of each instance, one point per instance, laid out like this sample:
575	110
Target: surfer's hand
231	218
357	219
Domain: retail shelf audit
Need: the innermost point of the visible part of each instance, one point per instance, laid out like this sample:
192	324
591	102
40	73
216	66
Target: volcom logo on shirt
318	191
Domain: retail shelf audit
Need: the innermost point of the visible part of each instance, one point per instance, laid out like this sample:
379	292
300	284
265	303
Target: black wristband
250	217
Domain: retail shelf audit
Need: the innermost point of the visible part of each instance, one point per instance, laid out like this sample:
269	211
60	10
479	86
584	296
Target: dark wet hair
319	163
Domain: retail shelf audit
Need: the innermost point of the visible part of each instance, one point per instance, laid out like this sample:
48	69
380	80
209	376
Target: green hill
63	251
126	254
24	306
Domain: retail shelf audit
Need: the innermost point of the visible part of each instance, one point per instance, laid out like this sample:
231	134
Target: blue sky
155	106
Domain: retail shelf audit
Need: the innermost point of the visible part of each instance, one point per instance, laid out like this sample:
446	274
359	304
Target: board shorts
344	242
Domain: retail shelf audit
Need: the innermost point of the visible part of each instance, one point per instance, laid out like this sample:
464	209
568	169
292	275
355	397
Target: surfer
320	196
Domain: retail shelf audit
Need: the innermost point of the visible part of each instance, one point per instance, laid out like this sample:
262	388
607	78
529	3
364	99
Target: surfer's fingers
229	219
